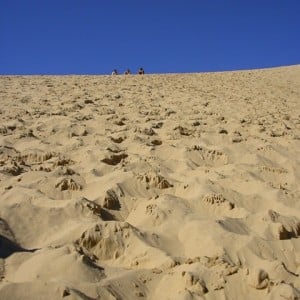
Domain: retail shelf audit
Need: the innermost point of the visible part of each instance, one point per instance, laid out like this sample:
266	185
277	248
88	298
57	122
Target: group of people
128	72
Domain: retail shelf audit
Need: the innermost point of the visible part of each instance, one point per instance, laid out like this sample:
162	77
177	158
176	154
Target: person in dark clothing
141	71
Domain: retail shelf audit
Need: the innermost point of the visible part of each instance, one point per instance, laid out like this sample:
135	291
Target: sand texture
172	186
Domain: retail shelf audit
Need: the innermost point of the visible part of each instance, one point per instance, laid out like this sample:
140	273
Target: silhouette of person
141	71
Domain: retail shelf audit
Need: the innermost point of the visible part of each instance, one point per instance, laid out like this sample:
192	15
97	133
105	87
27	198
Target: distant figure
127	72
114	72
141	71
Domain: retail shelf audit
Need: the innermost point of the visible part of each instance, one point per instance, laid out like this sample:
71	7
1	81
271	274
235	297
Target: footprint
114	159
153	179
202	156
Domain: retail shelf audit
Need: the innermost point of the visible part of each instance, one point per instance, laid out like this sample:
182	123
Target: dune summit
175	186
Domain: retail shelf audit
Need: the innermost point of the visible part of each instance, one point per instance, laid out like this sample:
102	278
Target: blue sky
171	36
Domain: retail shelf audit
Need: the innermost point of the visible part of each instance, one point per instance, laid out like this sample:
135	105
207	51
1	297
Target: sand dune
174	186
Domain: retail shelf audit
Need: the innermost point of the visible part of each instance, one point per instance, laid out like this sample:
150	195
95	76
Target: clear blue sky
163	36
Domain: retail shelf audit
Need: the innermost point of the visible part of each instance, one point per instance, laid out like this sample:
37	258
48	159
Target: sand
171	186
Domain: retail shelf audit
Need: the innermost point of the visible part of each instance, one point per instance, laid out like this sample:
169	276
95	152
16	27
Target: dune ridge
166	186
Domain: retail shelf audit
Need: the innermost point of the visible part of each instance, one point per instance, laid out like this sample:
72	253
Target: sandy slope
182	186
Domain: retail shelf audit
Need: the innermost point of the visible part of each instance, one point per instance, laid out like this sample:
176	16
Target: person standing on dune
141	71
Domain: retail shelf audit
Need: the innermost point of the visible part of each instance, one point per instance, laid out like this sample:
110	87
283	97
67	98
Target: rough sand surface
174	186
